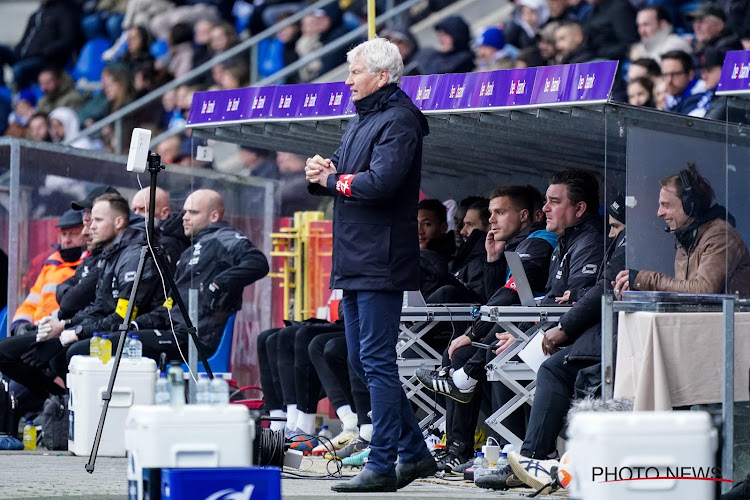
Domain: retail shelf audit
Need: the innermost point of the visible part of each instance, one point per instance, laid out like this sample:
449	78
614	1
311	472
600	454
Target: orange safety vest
41	300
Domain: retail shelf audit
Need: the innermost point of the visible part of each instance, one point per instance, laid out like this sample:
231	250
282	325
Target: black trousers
39	381
554	393
269	375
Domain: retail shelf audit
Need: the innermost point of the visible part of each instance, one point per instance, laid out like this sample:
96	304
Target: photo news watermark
651	473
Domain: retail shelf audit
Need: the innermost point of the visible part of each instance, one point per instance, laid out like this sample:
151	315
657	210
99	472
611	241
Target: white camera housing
139	144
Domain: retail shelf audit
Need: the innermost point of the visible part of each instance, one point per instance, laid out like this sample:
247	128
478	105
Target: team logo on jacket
589	269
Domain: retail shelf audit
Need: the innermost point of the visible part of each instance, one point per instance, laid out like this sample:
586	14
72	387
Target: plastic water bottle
203	390
481	466
135	348
161	392
176	378
126	350
219	391
105	348
29	436
502	460
94	349
325	433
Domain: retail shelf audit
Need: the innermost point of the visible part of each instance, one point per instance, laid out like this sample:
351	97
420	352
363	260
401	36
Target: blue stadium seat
159	48
219	361
90	64
3	323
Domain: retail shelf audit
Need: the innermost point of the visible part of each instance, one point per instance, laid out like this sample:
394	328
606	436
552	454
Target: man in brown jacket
711	256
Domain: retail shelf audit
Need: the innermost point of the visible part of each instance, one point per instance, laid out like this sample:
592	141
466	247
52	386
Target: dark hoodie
411	65
458	60
337	30
433	263
375	240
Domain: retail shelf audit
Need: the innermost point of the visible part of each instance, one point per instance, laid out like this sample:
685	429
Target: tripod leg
164	265
107	396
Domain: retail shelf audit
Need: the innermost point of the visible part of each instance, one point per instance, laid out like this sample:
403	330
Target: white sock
291	416
462	381
365	430
278	425
306	422
348	417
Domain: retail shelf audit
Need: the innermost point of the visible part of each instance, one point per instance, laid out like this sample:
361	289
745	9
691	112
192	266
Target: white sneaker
535	473
338	442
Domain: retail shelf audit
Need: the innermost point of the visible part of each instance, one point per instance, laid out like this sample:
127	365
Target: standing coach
374	177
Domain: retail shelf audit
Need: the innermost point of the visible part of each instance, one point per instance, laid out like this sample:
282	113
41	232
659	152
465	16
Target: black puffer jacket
118	266
172	239
582	323
468	264
52	32
79	291
222	255
611	29
375	240
576	261
434	261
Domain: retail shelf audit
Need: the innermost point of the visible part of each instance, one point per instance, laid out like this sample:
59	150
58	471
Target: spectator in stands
560	10
179	60
35	362
236	74
39	128
64	127
684	90
318	29
51	37
644	68
660	94
711	63
117	91
657	35
137	53
61	265
18	121
611	29
521	31
58	89
718	259
709	26
453	54
274	54
407	44
569	43
546	49
221	261
641	92
187	12
201	41
491	52
142	12
222	39
574	345
170	150
257	162
171	236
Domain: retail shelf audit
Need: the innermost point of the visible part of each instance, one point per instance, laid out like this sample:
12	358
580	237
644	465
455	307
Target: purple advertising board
430	93
735	73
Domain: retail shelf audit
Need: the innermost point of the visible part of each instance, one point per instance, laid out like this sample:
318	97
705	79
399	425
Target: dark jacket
51	33
611	29
222	255
375	241
118	266
582	323
535	246
576	261
172	239
458	60
725	41
468	264
336	31
581	55
434	261
79	291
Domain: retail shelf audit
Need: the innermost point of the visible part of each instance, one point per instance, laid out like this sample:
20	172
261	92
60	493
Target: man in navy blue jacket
374	177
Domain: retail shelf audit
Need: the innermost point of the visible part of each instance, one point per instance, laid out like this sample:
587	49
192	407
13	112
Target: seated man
37	362
172	239
58	267
220	263
574	345
436	245
711	256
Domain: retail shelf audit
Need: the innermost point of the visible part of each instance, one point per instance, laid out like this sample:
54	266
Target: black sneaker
459	471
440	381
454	458
501	479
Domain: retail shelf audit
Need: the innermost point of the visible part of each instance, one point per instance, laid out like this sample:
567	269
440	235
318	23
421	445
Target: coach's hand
317	169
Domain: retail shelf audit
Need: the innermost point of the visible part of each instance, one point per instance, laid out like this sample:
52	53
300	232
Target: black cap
707	9
617	208
712	57
71	218
88	201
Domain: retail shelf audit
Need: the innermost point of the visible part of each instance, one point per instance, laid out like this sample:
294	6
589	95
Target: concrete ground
60	475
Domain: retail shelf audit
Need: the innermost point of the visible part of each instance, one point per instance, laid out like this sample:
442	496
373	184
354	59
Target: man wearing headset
711	256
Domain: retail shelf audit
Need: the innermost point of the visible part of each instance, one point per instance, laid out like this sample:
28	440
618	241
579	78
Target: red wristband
344	184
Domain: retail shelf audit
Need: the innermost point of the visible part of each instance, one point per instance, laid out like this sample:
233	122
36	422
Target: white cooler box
87	380
190	436
620	446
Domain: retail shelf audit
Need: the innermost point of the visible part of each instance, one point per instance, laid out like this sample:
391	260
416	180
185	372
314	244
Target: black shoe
502	479
440	381
454	458
459	471
367	481
406	473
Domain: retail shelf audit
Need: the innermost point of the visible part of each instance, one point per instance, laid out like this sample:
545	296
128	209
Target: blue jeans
372	321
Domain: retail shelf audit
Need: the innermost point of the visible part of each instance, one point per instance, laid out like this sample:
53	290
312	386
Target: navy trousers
372	321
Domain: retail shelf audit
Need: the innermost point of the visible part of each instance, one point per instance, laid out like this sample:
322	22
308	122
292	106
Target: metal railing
251	44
